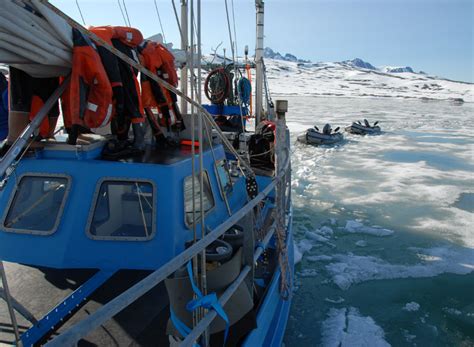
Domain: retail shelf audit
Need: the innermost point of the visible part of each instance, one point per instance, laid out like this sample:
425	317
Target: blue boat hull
272	315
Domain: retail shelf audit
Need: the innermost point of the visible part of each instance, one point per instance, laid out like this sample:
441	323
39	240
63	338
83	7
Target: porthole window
123	210
208	199
37	204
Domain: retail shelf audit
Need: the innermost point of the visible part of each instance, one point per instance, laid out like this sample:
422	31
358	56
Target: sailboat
185	244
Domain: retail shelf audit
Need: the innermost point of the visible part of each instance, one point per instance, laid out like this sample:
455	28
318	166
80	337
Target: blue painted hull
272	316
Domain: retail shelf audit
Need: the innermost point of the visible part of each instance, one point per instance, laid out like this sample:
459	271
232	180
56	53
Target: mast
259	4
184	47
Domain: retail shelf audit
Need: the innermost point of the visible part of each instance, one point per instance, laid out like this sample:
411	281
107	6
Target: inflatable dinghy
313	136
363	129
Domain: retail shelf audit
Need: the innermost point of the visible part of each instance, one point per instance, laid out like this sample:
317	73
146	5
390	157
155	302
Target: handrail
22	140
209	317
82	328
149	74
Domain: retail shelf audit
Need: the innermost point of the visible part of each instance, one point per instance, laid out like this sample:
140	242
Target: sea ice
335	301
297	254
316	258
412	306
361	243
325	230
347	328
354	226
349	268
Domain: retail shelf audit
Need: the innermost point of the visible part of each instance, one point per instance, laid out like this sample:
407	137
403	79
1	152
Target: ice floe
350	269
334	301
411	306
354	226
346	327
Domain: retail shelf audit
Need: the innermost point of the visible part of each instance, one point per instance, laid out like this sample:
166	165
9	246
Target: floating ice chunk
297	255
335	301
326	231
355	226
316	258
301	248
408	337
305	246
346	327
452	311
349	269
361	243
411	306
316	237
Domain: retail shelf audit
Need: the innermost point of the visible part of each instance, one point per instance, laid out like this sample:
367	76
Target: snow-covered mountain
269	53
356	78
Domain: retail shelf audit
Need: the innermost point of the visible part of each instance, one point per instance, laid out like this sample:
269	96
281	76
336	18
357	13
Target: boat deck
39	290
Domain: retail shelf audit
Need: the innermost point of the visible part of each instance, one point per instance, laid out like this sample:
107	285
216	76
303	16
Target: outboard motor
327	129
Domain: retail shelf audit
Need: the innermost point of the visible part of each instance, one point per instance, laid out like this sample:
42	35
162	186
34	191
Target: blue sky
435	36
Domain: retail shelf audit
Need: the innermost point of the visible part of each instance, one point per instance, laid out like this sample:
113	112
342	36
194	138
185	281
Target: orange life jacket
89	95
156	58
127	105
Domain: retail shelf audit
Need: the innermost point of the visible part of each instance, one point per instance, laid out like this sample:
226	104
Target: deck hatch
123	210
37	204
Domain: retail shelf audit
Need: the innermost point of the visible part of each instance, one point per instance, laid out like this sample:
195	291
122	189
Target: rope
159	20
80	12
121	11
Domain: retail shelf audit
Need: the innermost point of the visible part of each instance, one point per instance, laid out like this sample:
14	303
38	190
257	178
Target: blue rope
207	301
245	90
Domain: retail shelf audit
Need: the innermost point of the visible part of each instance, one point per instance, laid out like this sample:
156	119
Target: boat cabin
134	213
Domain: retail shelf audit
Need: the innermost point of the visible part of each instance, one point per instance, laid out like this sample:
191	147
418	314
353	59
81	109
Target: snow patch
346	327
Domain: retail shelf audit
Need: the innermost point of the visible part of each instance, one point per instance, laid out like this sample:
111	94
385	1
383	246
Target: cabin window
37	204
223	175
123	210
208	199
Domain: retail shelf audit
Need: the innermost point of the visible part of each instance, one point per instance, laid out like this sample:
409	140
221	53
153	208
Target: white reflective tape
135	56
107	117
165	75
129	36
92	107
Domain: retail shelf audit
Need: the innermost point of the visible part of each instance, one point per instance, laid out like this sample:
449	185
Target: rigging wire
126	13
235	32
177	20
232	46
80	12
159	20
121	11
